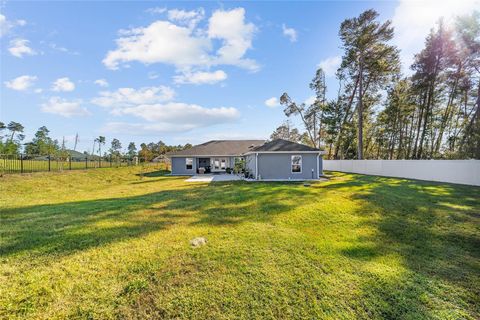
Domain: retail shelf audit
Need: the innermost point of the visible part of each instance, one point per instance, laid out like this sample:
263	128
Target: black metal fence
24	163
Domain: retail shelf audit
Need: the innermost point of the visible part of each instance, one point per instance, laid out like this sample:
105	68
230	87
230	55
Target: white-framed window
189	163
296	164
223	164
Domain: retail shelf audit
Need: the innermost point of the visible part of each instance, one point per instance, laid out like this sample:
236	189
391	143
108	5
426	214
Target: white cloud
39	90
201	77
310	100
64	108
290	33
182	113
237	36
330	65
414	19
183	47
56	47
63	84
129	97
19	48
160	42
156	10
187	18
101	82
6	25
272	102
21	83
154	105
173	117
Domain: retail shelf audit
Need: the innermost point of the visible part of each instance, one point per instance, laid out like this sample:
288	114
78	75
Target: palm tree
101	141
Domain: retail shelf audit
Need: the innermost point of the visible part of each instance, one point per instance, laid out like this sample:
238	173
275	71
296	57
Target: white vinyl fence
453	171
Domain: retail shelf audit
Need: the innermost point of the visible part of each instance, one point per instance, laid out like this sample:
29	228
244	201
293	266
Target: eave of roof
218	148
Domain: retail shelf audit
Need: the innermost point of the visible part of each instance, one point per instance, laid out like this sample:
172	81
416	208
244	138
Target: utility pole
76	141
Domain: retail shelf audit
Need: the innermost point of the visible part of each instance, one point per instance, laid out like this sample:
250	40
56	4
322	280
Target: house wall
453	171
179	166
278	166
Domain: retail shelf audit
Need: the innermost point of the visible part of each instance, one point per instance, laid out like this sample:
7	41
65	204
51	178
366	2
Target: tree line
379	113
12	143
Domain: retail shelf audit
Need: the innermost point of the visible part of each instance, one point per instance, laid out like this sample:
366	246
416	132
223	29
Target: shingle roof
283	145
219	148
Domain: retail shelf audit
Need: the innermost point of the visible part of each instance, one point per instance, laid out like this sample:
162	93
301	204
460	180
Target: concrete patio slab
213	177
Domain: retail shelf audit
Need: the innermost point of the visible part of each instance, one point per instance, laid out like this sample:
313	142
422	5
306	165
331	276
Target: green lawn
113	243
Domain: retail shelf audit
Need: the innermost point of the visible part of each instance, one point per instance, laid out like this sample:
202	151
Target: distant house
273	160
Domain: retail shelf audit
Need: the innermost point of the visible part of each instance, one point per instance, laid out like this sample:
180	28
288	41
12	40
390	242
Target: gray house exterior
274	160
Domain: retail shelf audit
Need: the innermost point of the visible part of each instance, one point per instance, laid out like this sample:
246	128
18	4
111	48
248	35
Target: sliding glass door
219	164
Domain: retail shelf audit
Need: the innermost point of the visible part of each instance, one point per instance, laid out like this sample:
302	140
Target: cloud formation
64	108
129	97
201	77
63	84
20	47
272	102
101	82
330	65
21	83
155	106
180	42
290	33
6	25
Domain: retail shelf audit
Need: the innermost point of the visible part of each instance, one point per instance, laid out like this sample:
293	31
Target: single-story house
262	160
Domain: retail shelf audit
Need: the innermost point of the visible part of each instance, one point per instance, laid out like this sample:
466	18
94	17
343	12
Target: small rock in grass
306	184
198	242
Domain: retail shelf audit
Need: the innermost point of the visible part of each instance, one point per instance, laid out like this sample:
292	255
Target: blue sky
177	71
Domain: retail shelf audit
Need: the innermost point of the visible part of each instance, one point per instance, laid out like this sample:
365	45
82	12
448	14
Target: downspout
318	166
256	166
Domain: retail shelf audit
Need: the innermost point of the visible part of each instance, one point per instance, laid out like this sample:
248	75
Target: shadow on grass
434	229
69	227
154	174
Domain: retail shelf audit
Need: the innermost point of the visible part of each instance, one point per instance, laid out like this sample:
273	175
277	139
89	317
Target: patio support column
318	166
256	166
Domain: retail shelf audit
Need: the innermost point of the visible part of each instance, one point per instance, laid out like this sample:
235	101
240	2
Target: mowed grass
114	244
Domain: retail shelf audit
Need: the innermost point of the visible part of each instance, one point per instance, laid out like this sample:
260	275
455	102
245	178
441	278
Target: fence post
70	162
100	162
21	162
110	161
86	162
48	162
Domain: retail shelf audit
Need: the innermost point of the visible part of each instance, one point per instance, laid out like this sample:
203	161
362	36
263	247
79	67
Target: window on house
189	163
296	164
223	164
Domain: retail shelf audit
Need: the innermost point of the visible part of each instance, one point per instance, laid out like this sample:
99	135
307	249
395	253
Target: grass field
114	243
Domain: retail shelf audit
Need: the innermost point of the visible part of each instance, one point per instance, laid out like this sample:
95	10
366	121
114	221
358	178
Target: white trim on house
318	166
